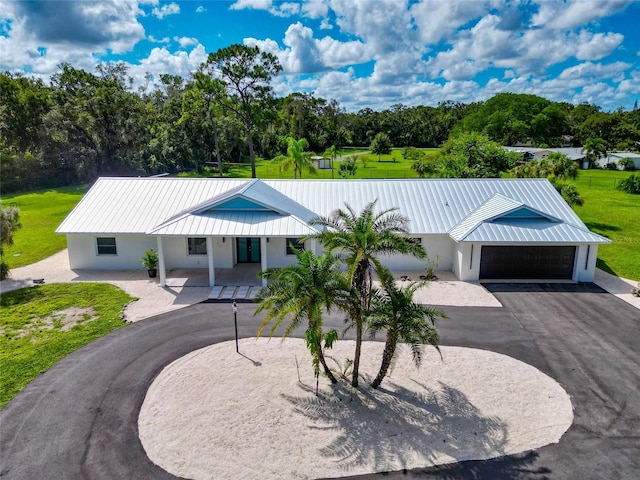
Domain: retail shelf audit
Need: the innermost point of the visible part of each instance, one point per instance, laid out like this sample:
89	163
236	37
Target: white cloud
315	9
385	27
575	13
587	72
186	41
596	46
325	24
166	10
251	4
161	60
37	38
630	86
283	9
200	9
437	20
153	39
305	54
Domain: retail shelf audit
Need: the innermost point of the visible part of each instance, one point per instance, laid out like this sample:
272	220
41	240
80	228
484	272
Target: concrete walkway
154	300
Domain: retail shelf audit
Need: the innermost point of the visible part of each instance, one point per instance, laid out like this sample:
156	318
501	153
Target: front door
248	250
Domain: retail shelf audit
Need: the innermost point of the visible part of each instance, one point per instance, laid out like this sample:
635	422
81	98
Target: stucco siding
585	265
83	252
176	253
277	253
439	250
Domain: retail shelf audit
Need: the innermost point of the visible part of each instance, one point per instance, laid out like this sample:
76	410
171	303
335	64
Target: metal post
234	307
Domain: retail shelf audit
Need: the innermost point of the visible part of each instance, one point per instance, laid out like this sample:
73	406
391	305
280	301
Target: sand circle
216	414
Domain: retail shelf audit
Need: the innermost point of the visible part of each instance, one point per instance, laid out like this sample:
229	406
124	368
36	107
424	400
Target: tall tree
302	292
296	157
245	72
360	238
473	155
405	321
381	145
9	223
200	105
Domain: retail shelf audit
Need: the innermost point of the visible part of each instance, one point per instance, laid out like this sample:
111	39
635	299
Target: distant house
615	157
477	228
533	153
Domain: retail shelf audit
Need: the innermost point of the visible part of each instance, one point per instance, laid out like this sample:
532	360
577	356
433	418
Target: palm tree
296	157
361	238
302	291
594	149
331	153
405	321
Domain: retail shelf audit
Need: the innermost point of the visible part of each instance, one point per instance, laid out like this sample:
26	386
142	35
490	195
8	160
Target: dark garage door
527	262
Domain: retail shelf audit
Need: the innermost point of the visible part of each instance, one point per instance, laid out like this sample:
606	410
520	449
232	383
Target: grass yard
40	325
613	214
40	214
389	166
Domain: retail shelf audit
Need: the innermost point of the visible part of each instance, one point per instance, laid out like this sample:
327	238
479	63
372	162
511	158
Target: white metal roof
530	231
235	224
185	206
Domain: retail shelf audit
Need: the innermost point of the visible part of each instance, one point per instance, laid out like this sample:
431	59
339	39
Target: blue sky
363	53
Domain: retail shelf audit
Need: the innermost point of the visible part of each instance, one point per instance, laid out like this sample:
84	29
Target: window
294	243
106	246
197	246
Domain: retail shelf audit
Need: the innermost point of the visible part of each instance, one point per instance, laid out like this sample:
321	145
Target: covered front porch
222	261
250	224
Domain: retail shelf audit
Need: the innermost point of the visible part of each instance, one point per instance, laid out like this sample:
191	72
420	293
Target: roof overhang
234	224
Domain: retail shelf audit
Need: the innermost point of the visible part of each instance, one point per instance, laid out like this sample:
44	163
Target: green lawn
40	214
40	325
614	214
389	166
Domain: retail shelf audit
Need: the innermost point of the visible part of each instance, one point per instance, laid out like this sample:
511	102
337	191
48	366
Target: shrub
627	164
348	168
631	184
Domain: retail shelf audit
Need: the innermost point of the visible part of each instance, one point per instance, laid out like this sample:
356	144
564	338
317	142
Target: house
476	228
532	153
614	158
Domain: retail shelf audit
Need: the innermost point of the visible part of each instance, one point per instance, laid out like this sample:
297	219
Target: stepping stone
215	292
228	293
242	291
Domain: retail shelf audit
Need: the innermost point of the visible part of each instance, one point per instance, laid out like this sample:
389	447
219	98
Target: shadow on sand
396	428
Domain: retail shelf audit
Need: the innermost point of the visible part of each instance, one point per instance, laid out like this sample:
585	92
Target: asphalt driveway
79	419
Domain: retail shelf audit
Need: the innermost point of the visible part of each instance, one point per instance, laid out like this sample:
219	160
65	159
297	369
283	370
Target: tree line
81	125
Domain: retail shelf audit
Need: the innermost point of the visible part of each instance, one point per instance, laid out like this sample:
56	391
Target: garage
527	262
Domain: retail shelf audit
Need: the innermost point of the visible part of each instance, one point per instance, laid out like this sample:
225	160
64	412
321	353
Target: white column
212	270
313	246
263	257
161	265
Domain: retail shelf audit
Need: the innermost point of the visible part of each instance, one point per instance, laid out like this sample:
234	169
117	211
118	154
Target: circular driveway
79	419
